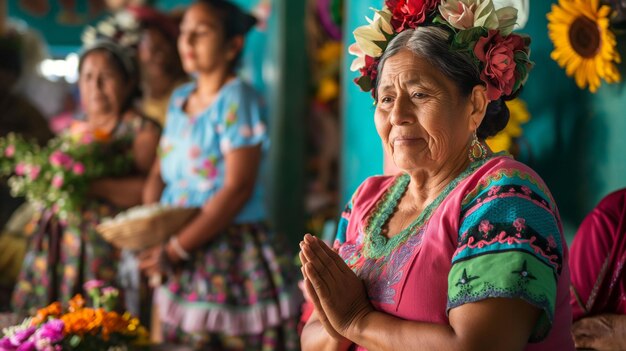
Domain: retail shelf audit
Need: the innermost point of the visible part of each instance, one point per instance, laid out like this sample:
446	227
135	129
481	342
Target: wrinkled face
103	89
201	42
156	52
421	116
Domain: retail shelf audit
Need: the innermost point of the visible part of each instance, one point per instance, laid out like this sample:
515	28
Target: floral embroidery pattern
231	114
381	276
504	233
208	168
507	173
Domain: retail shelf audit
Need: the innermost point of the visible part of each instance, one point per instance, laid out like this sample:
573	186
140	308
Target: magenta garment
413	284
597	259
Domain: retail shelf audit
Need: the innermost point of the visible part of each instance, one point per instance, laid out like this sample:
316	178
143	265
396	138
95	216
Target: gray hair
432	43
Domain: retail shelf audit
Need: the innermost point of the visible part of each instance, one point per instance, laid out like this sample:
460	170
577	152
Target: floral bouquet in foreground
78	327
58	175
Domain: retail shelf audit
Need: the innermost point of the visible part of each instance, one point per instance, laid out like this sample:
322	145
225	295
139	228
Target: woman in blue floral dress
230	286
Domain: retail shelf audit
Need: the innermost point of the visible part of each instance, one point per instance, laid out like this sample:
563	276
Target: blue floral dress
238	292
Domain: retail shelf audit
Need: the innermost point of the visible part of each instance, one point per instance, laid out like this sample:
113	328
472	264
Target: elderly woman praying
462	250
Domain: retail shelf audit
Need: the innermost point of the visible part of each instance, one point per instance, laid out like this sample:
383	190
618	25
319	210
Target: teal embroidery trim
377	245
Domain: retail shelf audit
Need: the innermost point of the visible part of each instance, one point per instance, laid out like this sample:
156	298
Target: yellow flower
519	115
583	43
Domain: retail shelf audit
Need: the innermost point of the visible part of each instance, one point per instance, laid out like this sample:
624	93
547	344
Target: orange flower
101	136
52	310
83	321
76	303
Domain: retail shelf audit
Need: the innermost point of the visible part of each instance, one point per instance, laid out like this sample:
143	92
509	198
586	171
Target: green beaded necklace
377	245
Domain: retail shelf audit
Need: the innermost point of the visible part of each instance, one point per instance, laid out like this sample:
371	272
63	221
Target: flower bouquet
58	175
79	327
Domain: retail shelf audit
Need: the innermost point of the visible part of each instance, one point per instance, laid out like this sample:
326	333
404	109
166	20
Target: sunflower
583	42
504	141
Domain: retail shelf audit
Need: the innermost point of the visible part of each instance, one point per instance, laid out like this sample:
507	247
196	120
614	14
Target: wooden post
3	16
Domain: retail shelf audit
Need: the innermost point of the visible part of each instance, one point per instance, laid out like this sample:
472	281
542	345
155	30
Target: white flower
126	20
366	36
89	36
485	14
106	28
507	16
523	9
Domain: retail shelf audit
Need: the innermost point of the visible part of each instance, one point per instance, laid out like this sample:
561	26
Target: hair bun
496	118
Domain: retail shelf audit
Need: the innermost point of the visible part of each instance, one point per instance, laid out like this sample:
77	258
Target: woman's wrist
175	252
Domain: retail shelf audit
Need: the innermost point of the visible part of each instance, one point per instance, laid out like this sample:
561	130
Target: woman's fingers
323	318
323	263
338	261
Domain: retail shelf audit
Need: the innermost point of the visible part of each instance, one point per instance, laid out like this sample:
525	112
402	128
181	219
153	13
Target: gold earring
477	151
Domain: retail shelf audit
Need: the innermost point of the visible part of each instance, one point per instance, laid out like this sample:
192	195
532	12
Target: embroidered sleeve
344	220
509	246
241	121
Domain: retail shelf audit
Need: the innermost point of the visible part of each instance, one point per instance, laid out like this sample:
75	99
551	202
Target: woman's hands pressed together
337	293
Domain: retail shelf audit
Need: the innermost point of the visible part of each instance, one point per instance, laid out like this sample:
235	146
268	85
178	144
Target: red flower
409	13
370	69
497	54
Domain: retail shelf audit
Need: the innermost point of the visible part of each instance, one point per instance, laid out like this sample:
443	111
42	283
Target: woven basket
144	232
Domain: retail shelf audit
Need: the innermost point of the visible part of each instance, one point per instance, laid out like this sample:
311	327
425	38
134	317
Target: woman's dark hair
234	21
433	44
123	62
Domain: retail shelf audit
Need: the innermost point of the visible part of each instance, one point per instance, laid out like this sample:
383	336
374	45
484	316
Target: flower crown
122	29
476	27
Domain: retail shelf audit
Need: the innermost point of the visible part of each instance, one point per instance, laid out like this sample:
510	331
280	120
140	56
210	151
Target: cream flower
485	14
523	9
466	14
458	13
368	36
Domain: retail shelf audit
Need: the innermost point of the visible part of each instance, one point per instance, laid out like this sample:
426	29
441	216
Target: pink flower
194	152
78	168
409	13
34	172
93	284
519	224
58	159
485	227
9	151
458	14
494	190
20	169
57	181
110	291
497	54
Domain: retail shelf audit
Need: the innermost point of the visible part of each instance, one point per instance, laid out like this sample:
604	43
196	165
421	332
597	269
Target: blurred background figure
108	86
597	258
17	115
50	97
230	285
160	67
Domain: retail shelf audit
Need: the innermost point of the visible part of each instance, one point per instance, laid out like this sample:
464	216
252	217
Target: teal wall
575	140
361	147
